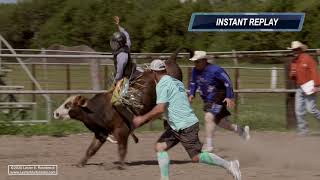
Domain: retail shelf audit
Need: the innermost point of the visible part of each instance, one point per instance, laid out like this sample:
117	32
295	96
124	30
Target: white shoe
234	169
246	133
110	138
303	133
164	178
206	148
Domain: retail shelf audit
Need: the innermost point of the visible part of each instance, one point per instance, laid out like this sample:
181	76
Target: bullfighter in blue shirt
217	94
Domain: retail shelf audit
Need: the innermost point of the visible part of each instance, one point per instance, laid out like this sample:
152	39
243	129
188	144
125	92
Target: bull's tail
134	137
173	57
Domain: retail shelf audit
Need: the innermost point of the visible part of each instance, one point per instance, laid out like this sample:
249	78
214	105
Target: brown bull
103	119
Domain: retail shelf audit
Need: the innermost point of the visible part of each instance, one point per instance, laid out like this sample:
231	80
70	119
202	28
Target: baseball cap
157	65
198	55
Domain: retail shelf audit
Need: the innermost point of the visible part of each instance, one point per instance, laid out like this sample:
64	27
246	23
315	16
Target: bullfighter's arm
193	85
224	77
155	112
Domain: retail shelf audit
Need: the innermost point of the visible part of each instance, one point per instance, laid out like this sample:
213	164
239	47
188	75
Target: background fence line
237	71
225	54
85	91
216	52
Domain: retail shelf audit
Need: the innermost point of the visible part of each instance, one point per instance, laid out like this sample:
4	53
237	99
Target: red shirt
304	69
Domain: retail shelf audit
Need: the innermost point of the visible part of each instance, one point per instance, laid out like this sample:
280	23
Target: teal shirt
172	92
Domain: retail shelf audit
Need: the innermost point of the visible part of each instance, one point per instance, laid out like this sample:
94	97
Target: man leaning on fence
217	94
303	70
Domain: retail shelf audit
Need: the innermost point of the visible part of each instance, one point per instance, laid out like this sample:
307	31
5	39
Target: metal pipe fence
65	79
74	77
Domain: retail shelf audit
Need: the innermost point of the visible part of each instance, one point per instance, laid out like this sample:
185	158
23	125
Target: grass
260	111
56	128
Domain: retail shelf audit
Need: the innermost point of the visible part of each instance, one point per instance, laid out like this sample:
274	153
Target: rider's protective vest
130	66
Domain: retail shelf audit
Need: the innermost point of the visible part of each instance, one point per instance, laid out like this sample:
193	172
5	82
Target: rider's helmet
118	40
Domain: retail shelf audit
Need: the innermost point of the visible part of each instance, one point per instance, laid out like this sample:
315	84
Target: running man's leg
190	141
300	110
164	164
218	113
221	119
311	104
209	126
244	132
212	159
166	141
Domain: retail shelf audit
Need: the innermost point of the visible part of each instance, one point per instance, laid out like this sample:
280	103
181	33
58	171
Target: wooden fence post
33	71
95	74
45	69
274	74
0	53
237	83
151	126
189	71
290	99
105	78
68	77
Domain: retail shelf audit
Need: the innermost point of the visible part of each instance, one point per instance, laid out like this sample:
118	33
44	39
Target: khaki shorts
188	137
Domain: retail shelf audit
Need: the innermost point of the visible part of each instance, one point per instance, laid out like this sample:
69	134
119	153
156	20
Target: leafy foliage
154	26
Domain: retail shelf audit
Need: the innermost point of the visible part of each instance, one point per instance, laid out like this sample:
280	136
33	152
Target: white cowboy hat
157	65
198	55
296	45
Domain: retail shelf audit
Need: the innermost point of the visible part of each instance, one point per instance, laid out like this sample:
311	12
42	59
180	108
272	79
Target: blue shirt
211	80
172	92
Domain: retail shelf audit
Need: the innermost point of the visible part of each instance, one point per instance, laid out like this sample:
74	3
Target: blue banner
246	22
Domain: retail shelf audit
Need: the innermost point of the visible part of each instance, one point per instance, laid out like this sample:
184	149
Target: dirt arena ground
268	155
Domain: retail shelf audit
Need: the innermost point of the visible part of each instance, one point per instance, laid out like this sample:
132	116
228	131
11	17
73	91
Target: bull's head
72	103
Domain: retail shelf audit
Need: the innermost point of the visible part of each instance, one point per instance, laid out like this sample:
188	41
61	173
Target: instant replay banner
206	22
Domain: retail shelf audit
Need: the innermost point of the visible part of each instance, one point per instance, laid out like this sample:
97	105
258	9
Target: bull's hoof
79	165
121	167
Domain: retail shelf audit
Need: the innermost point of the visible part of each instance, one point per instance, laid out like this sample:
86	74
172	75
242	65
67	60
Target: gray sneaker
246	133
303	133
234	169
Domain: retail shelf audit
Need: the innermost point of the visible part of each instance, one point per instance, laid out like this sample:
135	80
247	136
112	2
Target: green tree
154	26
26	19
